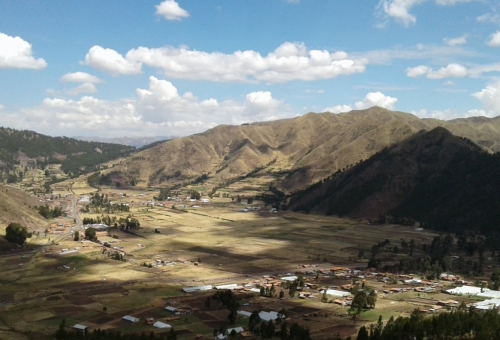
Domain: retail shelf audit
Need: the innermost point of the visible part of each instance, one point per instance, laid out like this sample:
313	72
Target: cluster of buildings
59	228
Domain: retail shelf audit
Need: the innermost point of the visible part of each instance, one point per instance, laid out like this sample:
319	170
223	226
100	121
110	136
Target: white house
159	324
130	318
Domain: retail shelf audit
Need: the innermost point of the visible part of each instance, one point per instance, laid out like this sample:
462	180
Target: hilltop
21	150
302	150
445	181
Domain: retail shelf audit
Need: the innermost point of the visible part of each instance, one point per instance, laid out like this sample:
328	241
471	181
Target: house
237	330
337	269
159	324
80	327
335	292
289	278
196	289
267	316
171	309
244	313
130	318
231	286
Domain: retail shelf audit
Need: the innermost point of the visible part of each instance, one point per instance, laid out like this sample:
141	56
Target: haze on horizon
155	67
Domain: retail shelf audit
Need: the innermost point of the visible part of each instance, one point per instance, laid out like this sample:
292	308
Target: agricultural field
213	244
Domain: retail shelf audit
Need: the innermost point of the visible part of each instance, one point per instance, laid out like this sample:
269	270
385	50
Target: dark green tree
15	233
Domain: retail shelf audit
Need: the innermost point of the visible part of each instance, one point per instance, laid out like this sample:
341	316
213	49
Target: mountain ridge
305	149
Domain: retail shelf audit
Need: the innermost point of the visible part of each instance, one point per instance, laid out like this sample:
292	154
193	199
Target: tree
15	233
363	334
76	236
90	234
282	294
254	321
371	299
171	335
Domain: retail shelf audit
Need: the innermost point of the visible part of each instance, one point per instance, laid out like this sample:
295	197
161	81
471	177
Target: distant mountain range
301	150
445	181
33	150
135	142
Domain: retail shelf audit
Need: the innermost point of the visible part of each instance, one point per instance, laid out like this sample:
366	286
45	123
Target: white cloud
338	109
438	54
80	77
261	104
399	10
450	71
456	41
16	53
2	107
450	2
110	61
290	61
417	71
490	18
376	99
490	98
171	10
494	40
83	88
371	99
158	109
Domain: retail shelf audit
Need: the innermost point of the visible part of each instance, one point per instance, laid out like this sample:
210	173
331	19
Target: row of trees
462	323
48	213
63	334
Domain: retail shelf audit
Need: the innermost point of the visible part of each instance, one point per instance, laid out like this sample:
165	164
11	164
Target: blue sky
152	67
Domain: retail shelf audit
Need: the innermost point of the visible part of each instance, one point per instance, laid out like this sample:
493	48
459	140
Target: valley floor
214	244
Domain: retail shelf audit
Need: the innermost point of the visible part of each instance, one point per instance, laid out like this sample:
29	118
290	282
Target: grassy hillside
17	206
33	150
303	149
447	182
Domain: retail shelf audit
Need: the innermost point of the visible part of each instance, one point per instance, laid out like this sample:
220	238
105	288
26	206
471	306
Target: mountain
34	150
445	181
137	142
301	150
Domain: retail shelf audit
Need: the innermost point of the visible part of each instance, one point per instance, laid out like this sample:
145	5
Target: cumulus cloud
490	98
158	109
455	41
376	99
290	61
171	10
338	108
371	99
80	77
17	53
494	40
450	71
399	10
110	61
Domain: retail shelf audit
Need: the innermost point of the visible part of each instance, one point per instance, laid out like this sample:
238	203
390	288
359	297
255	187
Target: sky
115	68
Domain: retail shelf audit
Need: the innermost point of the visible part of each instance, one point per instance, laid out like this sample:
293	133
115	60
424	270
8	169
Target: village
154	264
